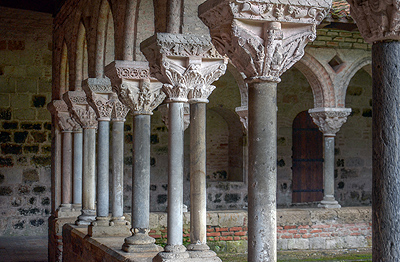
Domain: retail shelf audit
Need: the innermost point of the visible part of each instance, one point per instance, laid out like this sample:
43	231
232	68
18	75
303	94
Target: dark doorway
308	160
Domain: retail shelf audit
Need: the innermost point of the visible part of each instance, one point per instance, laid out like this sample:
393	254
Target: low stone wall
298	229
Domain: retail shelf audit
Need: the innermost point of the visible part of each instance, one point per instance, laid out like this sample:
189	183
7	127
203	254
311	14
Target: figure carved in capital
330	121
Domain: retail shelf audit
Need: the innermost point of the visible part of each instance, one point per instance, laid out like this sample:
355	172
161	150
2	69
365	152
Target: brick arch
81	63
319	80
103	37
240	82
64	70
350	72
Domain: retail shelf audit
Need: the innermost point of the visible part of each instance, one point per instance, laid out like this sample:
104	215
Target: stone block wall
332	38
25	123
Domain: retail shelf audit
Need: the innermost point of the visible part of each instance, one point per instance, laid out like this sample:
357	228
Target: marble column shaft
385	151
77	169
141	172
329	167
66	188
103	138
118	169
262	171
175	173
198	199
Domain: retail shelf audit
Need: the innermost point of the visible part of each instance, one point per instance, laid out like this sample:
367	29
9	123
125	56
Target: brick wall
340	39
25	124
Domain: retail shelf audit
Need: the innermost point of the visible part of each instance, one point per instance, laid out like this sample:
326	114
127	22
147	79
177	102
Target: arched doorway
308	161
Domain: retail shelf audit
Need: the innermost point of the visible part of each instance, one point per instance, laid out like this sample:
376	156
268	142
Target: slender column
385	156
89	177
117	170
329	121
263	51
66	169
77	169
141	95
103	157
198	198
86	117
262	171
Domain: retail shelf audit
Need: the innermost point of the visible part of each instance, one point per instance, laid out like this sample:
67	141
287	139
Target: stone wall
25	124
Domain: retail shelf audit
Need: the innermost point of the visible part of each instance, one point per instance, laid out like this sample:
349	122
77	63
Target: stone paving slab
23	249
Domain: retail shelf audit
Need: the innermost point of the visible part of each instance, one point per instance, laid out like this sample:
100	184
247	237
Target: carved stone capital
377	20
263	38
79	108
243	113
99	93
134	86
119	111
59	109
187	65
329	120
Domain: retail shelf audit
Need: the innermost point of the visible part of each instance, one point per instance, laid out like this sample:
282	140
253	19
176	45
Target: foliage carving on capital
119	111
63	117
329	120
263	39
377	20
176	60
80	110
99	92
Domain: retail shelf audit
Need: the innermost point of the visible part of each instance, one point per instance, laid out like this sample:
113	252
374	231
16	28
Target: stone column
140	93
378	22
177	61
329	121
198	98
117	144
67	124
86	117
252	35
99	93
77	169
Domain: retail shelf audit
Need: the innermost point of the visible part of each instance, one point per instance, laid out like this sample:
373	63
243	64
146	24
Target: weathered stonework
83	113
99	93
329	120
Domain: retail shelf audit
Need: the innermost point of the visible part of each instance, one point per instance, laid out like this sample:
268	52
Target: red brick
290	227
355	234
325	234
218	229
186	235
303	231
226	238
286	236
236	238
307	236
235	229
210	229
213	234
279	227
243	233
303	227
227	233
321	226
292	231
297	236
244	238
152	231
316	231
354	229
155	236
210	239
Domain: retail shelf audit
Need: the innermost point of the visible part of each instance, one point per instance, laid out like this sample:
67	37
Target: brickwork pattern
332	38
25	124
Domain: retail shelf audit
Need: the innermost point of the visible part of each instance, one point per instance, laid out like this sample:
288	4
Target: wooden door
307	170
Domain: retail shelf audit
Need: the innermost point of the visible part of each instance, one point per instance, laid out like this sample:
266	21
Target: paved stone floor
26	249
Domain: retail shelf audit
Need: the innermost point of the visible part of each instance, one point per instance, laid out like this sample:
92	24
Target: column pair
71	160
187	65
378	22
329	121
107	107
141	94
263	49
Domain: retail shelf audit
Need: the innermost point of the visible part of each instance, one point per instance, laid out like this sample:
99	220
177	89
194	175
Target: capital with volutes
80	109
186	64
135	88
329	120
263	38
99	92
65	121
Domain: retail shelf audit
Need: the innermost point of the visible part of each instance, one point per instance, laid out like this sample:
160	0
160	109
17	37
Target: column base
202	252
67	211
173	253
140	243
87	217
329	202
102	227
